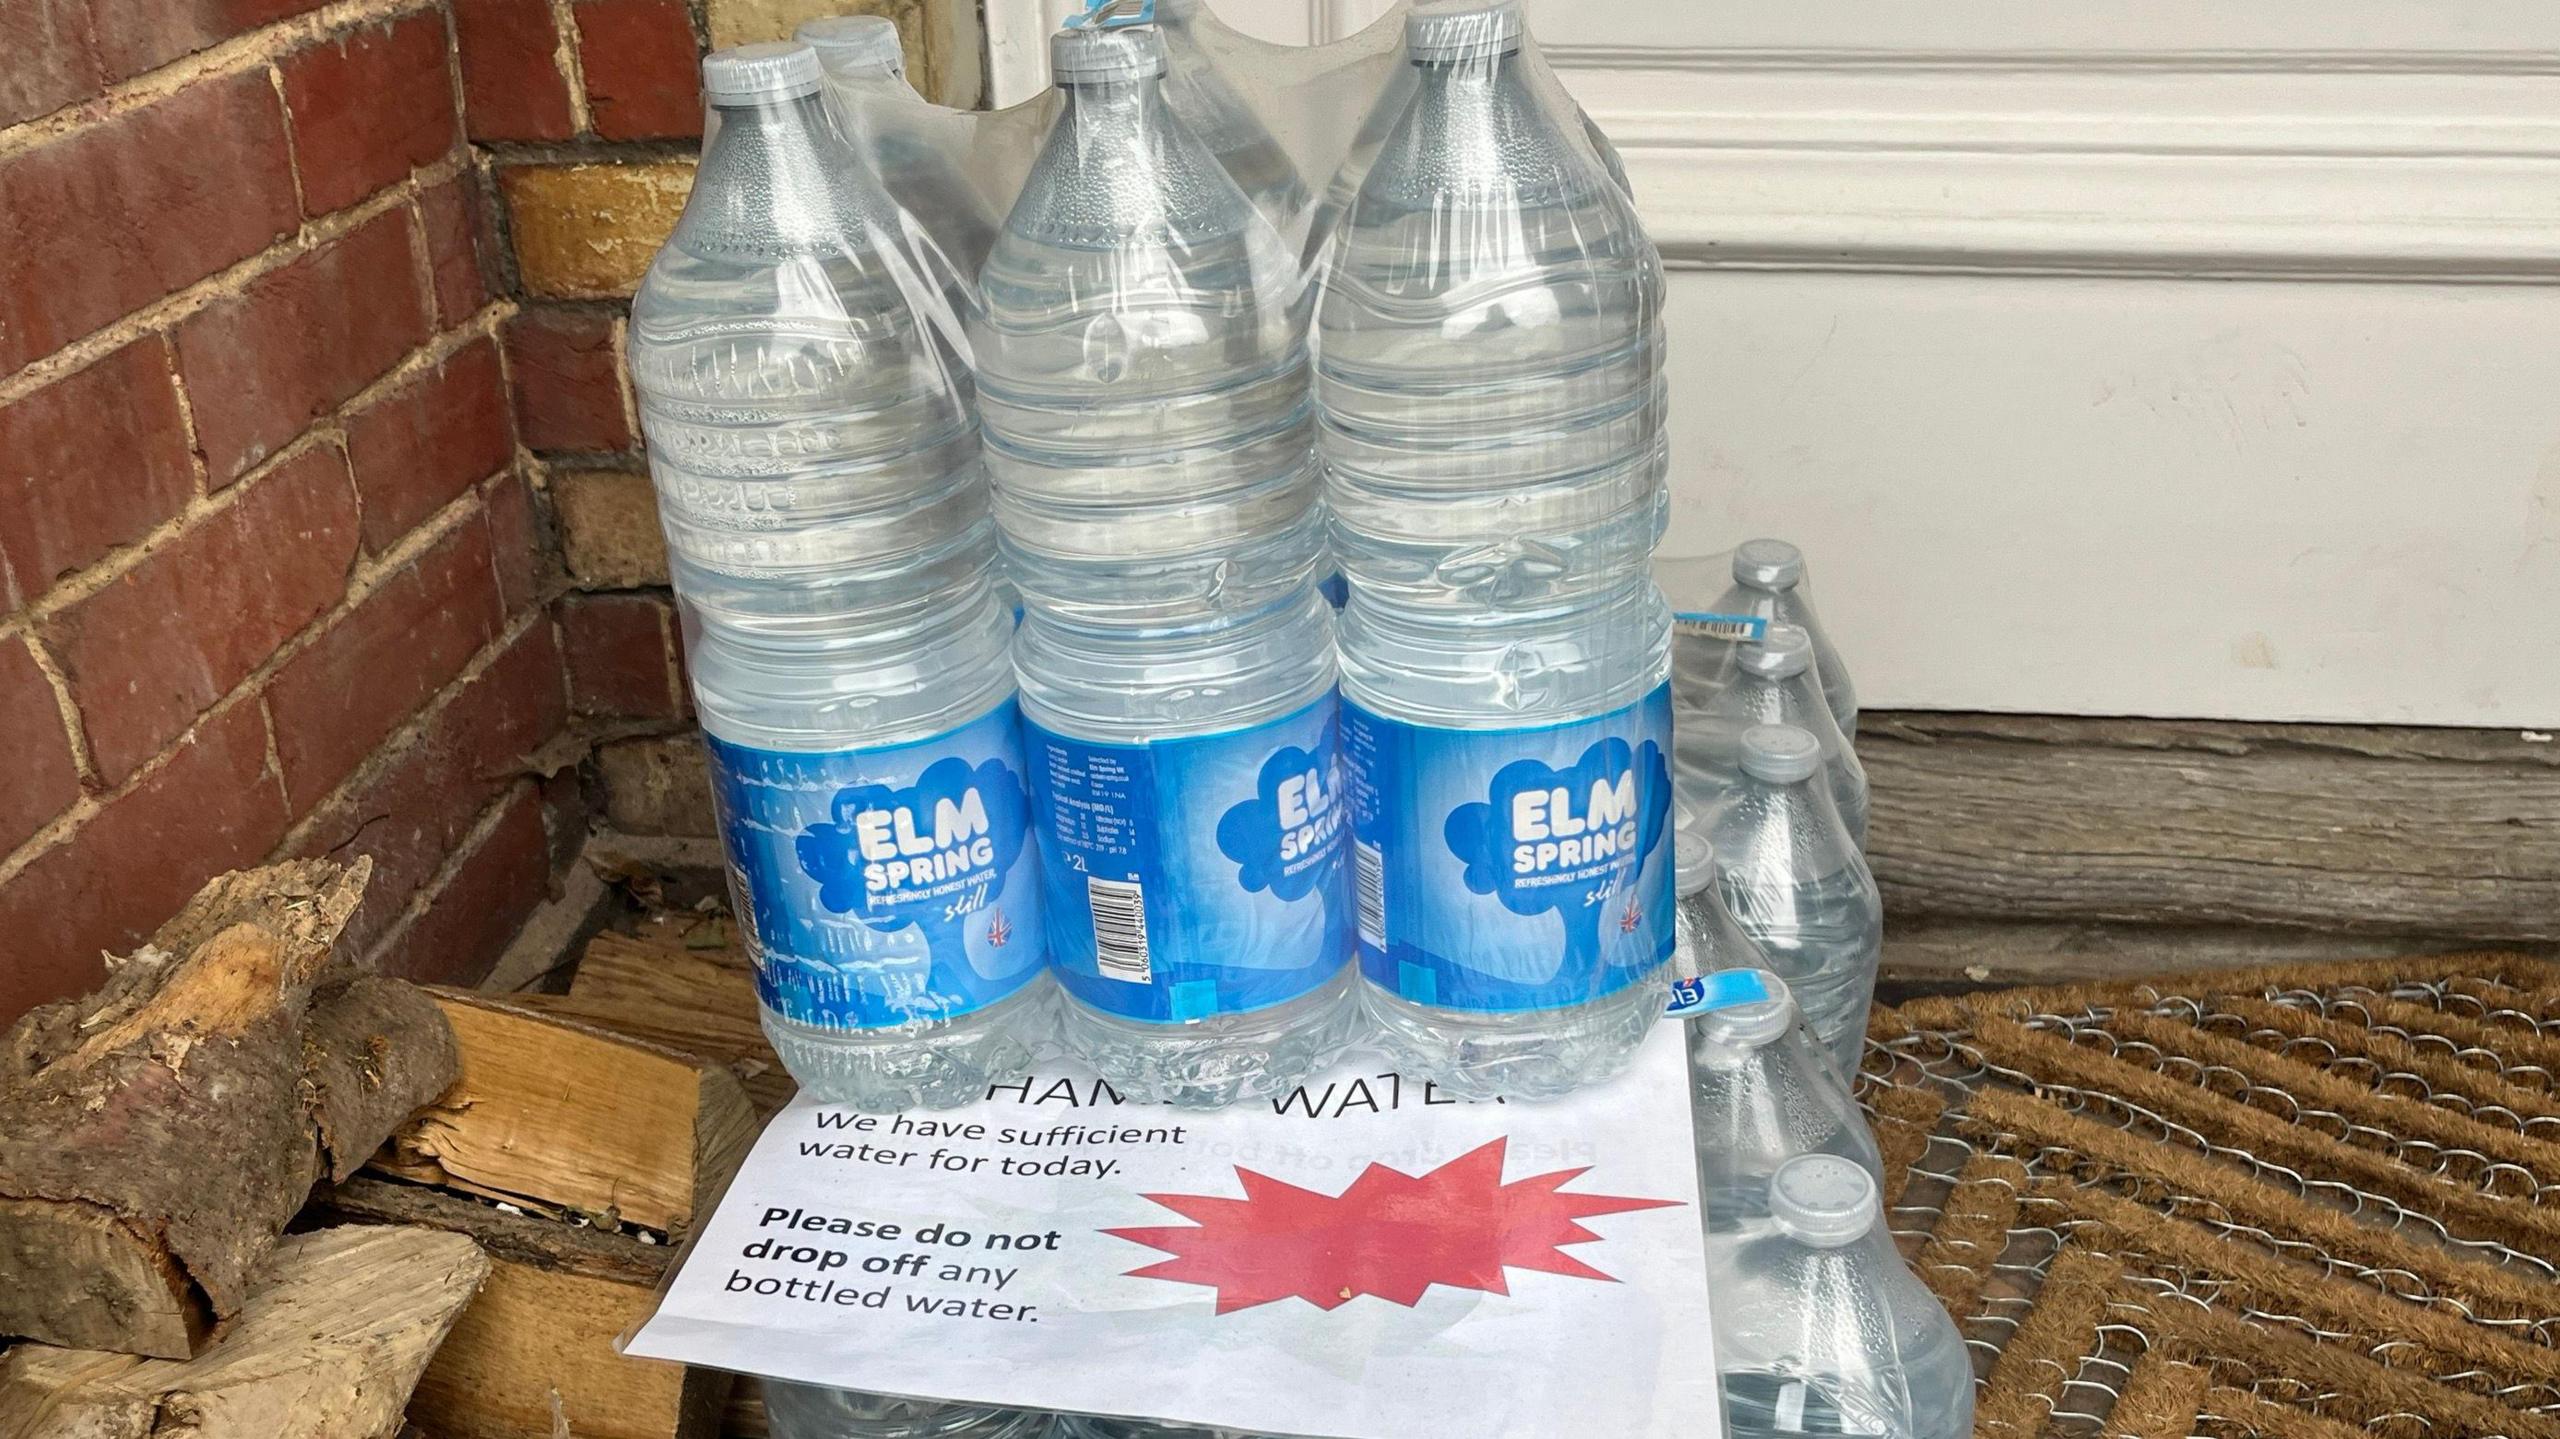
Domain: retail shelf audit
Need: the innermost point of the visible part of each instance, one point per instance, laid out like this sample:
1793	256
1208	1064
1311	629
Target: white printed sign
1367	1259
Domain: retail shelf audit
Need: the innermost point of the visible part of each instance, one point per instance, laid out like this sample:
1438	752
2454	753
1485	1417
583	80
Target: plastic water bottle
1489	375
915	150
1763	1092
1820	1328
1512	878
1197	90
1489	346
1796	883
815	451
1142	366
913	146
1768	580
1772	681
809	1411
1708	938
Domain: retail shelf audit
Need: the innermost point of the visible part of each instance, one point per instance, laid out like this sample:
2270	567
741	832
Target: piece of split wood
568	1117
540	1338
337	1327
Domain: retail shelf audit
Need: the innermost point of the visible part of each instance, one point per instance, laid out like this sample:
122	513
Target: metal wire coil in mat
2294	1203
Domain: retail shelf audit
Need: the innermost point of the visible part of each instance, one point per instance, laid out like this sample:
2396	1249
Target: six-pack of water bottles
1185	817
1144	605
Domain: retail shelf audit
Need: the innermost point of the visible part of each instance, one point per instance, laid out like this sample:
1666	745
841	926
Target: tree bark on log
333	1338
157	1135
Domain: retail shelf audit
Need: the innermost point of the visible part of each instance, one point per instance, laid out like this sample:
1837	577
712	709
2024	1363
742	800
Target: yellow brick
587	232
740	22
657	785
609	528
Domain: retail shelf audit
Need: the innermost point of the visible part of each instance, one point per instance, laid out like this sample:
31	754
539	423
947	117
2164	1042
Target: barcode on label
1119	928
1369	878
742	903
1747	629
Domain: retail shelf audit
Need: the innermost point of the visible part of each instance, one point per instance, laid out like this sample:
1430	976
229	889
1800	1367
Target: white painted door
2157	357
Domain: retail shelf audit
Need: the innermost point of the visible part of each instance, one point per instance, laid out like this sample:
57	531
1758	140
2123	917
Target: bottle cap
1768	564
1094	57
1693	861
859	44
1749	1026
1823	1200
1439	30
770	70
1782	652
1780	753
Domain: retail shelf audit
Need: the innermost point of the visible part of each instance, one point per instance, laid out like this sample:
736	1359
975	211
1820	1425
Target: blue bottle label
1507	870
882	886
1707	993
1194	877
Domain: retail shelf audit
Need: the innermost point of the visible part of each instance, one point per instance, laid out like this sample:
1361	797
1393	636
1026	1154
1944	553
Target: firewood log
537	1345
562	1116
336	1329
157	1135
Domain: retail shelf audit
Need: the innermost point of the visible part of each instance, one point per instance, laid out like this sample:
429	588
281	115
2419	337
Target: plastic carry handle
1112	14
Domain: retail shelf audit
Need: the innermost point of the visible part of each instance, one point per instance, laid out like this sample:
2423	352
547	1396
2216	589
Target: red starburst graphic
1391	1234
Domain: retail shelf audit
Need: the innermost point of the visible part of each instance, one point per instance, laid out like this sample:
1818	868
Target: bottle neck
778	125
779	176
1719	1055
1120	167
1476	84
1470	91
1796	819
1492	136
1135	104
1484	68
1777	699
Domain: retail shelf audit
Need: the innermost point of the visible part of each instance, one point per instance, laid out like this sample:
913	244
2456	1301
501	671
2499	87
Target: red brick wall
590	113
274	570
323	523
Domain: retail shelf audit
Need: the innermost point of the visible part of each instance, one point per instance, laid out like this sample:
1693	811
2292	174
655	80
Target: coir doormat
2296	1203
